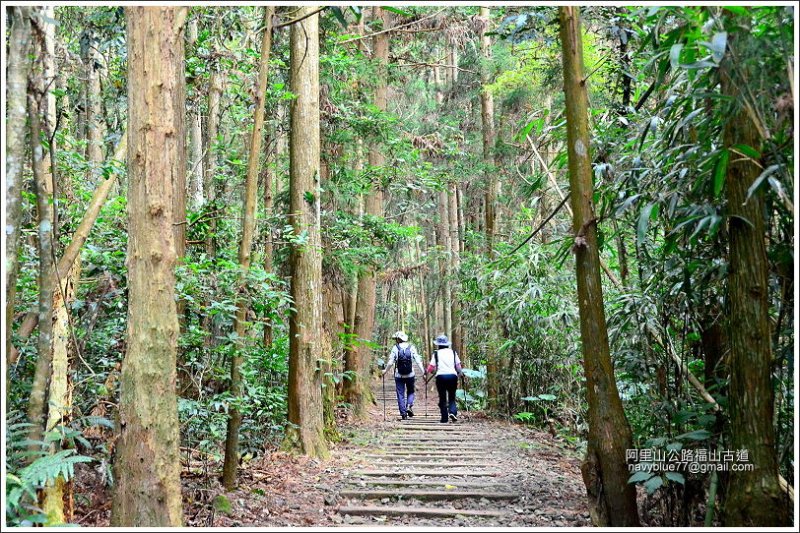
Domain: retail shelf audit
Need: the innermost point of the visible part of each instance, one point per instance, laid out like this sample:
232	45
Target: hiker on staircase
403	357
447	366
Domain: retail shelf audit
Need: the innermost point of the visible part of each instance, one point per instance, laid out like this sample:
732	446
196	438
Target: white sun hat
400	335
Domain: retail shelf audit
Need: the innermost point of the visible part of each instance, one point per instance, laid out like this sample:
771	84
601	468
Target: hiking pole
383	387
425	379
466	399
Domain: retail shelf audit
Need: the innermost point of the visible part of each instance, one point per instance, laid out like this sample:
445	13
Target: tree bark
490	199
59	394
18	59
209	181
95	121
245	249
305	430
753	498
41	107
37	407
612	500
444	261
147	466
356	390
487	119
455	265
195	165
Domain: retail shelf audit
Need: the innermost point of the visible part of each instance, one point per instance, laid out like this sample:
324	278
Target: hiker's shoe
453	418
410	413
405	417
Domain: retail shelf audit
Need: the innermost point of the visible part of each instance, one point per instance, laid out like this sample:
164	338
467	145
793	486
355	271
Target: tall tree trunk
41	107
753	498
195	165
209	181
487	119
490	197
444	261
269	245
245	249
305	431
18	59
147	466
612	500
356	390
95	120
457	330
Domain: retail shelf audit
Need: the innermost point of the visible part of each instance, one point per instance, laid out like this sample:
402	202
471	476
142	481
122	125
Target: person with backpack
447	366
403	357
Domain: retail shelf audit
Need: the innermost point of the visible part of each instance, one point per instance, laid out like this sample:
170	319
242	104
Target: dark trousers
447	385
404	386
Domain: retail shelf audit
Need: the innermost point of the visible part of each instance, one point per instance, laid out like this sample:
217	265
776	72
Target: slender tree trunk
37	408
357	391
59	394
196	196
490	198
444	261
18	59
79	238
753	498
245	249
455	266
41	104
612	500
147	466
269	246
95	120
487	119
305	431
209	183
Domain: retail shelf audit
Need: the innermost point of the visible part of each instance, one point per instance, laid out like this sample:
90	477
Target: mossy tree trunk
612	500
305	430
147	465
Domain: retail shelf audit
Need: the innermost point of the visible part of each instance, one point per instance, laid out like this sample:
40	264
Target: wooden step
429	473
435	464
432	424
442	494
370	510
426	449
458	484
425	455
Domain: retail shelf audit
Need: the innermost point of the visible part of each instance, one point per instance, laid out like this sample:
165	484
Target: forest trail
476	472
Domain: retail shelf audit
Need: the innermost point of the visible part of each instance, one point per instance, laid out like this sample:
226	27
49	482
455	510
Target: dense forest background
420	168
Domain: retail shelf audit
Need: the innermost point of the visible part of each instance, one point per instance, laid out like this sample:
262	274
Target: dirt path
417	472
474	472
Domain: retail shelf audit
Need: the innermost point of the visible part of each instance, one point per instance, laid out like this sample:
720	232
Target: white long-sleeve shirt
414	356
448	359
